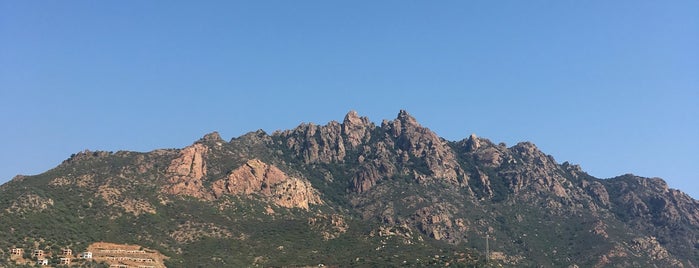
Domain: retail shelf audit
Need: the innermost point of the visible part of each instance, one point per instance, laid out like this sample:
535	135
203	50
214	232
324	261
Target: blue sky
610	85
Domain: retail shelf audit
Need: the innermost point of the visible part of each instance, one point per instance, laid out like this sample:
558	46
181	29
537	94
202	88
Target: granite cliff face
187	176
187	171
358	190
256	177
399	147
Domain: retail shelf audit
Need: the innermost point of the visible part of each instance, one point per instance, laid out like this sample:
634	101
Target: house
67	252
38	253
17	251
86	255
65	261
42	262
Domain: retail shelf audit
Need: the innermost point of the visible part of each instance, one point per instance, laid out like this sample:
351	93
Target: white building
65	260
86	255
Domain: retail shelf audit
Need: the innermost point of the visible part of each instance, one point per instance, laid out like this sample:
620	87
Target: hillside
347	193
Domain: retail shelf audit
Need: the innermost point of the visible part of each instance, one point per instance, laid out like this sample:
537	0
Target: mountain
343	194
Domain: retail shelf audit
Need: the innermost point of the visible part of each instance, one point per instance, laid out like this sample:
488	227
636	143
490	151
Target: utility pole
487	248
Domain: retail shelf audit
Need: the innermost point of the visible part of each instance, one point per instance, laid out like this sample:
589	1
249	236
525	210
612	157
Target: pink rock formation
187	171
257	177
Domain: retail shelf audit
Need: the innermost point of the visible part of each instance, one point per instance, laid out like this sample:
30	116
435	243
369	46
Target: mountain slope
350	193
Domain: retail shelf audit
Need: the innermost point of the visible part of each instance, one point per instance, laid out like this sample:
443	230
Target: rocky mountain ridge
387	192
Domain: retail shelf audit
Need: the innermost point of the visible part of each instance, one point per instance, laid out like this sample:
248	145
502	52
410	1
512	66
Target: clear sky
610	85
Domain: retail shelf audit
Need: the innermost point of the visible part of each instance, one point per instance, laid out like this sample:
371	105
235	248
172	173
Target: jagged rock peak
351	116
526	144
254	136
527	149
404	122
213	136
86	154
406	118
356	129
473	143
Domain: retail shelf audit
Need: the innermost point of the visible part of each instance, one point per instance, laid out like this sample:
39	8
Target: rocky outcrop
211	137
253	139
652	200
399	147
356	130
186	172
523	169
30	203
406	148
598	192
535	170
372	171
329	143
253	177
684	207
438	222
429	155
330	226
114	196
648	247
316	144
491	156
402	231
86	155
295	193
257	177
